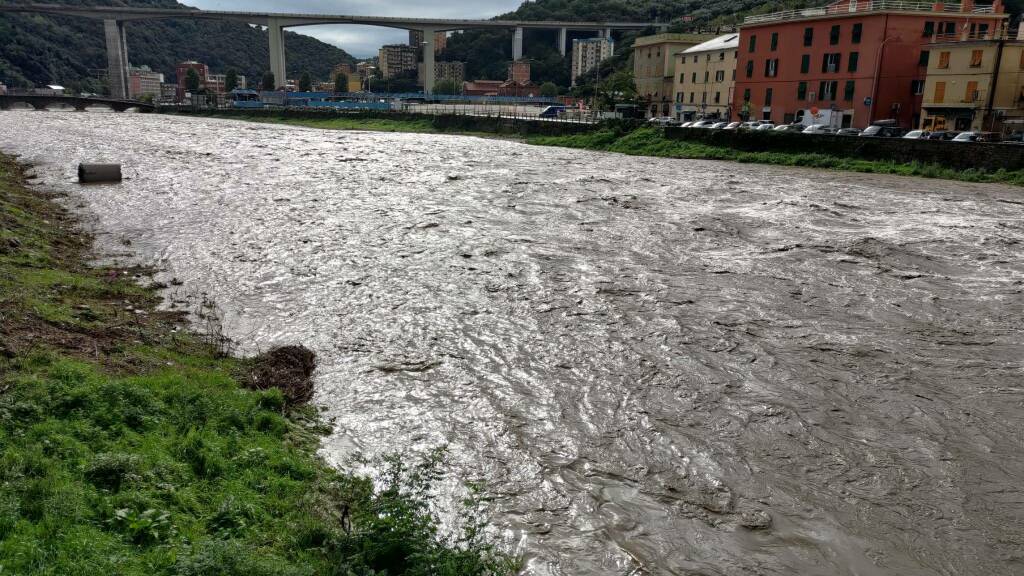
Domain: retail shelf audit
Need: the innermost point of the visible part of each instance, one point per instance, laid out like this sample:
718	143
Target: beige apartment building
654	67
975	82
705	76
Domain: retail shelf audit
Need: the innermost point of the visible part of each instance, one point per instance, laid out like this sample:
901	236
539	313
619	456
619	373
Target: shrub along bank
652	142
129	446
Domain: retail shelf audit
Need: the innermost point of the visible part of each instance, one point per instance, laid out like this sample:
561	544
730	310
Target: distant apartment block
588	53
217	83
705	76
654	64
440	40
446	71
865	60
397	60
519	71
975	82
144	82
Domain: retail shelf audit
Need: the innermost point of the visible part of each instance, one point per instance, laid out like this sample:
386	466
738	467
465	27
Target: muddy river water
657	366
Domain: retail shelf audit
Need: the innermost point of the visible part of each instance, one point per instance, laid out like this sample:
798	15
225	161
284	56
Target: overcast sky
363	41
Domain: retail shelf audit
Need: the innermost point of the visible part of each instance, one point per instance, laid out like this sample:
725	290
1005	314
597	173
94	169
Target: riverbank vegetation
131	446
650	142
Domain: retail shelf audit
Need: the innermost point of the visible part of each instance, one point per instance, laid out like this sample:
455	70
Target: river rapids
656	367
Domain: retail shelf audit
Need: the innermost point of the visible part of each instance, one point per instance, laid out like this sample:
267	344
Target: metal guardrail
857	6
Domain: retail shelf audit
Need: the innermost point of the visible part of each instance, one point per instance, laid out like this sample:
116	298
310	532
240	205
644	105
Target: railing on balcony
854	6
967	35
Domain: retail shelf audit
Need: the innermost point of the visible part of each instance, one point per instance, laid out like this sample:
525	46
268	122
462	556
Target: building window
858	30
827	89
746	94
949	27
707	57
1022	59
704	98
693	78
943	60
851	66
917	87
775	41
682	78
929	29
801	91
771	68
768	97
679	96
922	60
750	68
808	36
720	76
940	92
833	35
805	63
691	97
848	90
721	56
734	74
971	95
718	97
830	62
976	56
753	44
706	76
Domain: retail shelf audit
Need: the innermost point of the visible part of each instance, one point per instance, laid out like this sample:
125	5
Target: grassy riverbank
130	446
642	141
650	142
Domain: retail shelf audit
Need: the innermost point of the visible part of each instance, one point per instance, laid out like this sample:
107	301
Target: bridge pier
428	60
517	44
117	58
563	35
277	64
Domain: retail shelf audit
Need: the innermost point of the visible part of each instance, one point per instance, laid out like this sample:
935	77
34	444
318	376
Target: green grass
128	447
650	142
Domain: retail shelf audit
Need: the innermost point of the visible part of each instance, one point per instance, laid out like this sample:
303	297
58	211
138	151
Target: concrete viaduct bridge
114	19
42	102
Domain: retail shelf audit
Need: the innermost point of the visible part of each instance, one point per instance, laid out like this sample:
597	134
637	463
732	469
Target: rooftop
670	37
845	7
725	42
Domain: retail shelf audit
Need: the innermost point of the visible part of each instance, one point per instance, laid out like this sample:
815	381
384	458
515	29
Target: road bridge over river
114	19
44	101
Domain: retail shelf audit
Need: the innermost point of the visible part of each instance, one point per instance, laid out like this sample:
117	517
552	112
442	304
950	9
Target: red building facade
861	60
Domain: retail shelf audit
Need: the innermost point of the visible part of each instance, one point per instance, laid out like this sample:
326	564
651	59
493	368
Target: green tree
230	80
549	90
192	80
447	86
268	81
618	88
341	83
305	82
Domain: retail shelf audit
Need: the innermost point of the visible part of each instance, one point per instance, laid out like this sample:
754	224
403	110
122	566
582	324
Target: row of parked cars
879	130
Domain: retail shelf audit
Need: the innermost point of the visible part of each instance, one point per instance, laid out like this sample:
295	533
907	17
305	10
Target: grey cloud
363	41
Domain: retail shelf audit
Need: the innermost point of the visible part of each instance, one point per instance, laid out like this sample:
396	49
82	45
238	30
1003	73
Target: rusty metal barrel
96	173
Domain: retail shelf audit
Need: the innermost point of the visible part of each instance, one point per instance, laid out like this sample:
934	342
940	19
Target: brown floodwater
656	366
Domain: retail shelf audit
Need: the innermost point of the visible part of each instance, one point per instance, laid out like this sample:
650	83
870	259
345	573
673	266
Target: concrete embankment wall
442	122
956	155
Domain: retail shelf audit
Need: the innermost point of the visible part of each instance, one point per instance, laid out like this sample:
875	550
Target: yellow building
705	78
654	66
975	83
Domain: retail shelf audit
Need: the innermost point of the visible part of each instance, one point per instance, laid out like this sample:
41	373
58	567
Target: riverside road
655	366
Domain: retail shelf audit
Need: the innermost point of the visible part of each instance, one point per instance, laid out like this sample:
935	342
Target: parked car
848	132
703	124
882	131
733	126
1015	138
789	128
765	126
976	137
819	129
750	125
662	121
551	112
917	135
685	124
718	125
942	135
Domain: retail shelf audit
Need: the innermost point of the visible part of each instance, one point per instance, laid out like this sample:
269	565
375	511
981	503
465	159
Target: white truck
811	116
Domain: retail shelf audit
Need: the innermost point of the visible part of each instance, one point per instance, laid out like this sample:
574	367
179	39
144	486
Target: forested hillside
38	49
487	53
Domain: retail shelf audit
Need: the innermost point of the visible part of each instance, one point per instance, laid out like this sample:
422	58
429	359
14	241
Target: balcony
861	6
